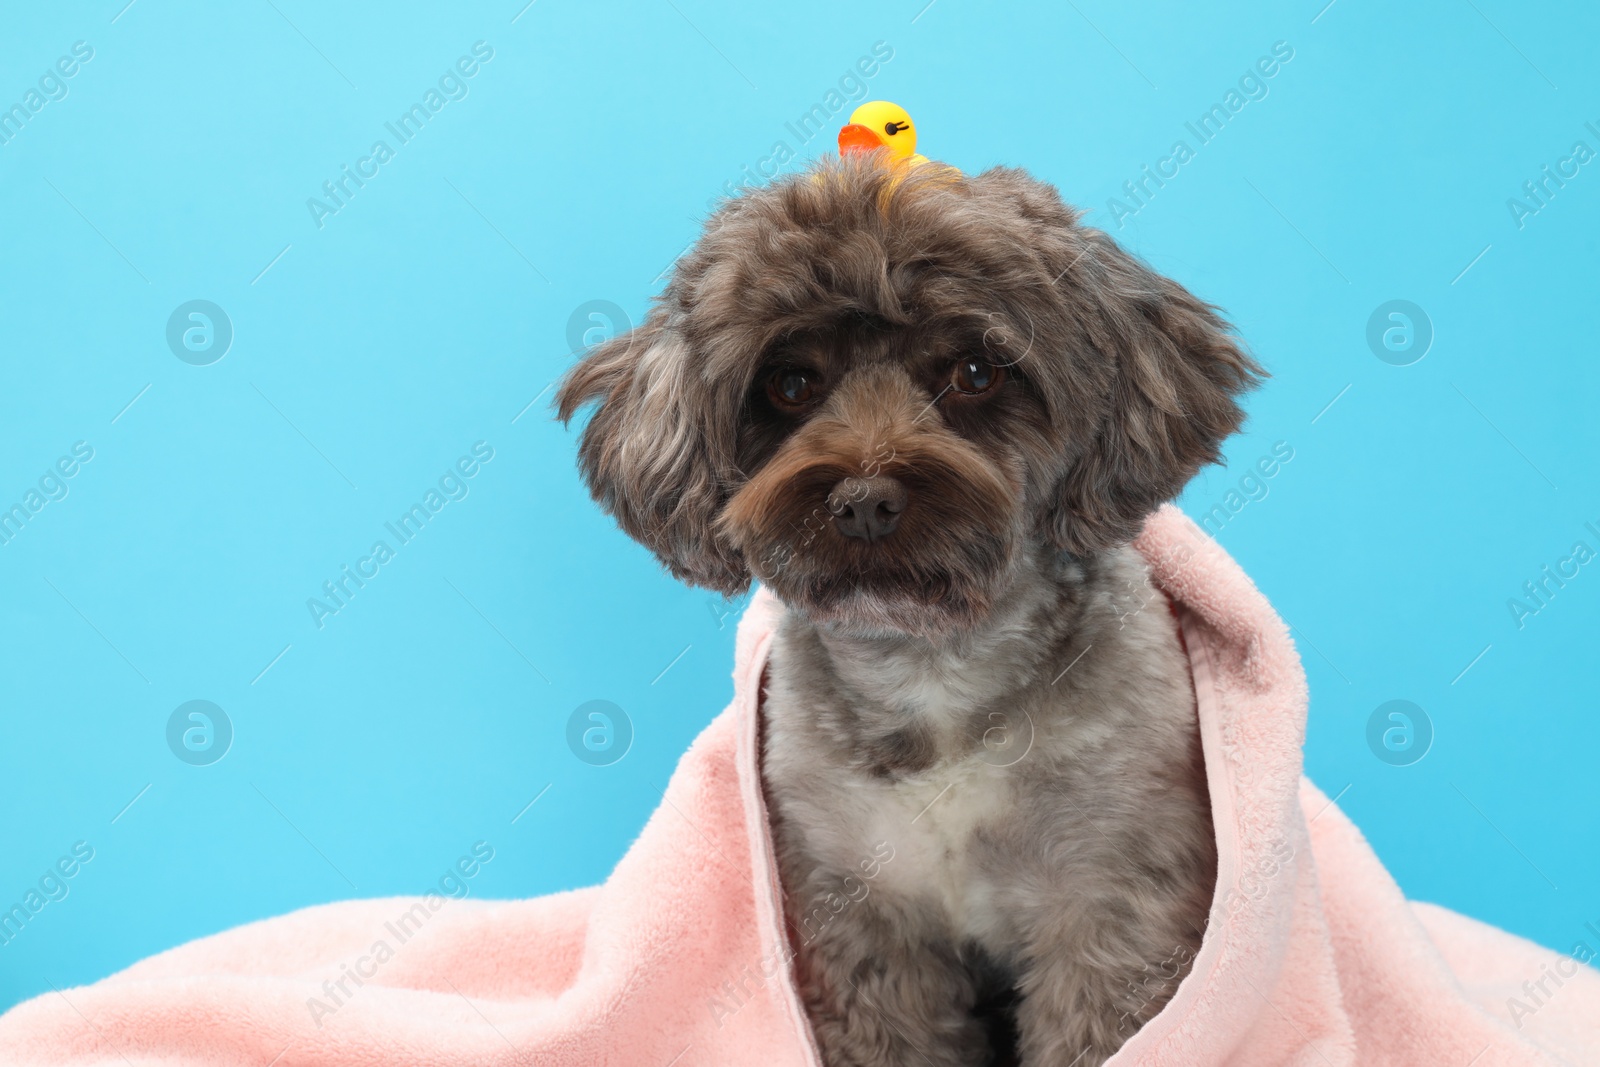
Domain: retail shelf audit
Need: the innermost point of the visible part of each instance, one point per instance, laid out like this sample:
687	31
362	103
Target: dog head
874	389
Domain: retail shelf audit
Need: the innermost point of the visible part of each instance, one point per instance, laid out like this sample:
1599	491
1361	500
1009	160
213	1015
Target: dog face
875	389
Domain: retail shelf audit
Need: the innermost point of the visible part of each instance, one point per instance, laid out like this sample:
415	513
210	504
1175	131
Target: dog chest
928	824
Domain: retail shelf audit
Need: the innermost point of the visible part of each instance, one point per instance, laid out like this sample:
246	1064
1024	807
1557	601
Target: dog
930	412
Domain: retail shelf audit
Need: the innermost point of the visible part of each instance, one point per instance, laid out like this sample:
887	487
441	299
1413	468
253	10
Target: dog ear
650	453
1152	382
1176	373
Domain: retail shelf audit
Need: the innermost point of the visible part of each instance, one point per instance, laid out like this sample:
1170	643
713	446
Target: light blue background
434	308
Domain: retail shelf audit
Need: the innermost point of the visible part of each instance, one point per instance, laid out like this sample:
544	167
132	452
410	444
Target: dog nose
868	508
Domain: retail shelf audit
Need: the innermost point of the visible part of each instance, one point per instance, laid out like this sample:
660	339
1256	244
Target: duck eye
973	376
892	128
790	388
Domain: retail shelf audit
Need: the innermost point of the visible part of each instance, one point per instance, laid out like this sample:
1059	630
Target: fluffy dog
929	412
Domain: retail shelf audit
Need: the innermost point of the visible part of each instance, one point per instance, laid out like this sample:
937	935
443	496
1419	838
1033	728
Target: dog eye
974	376
791	388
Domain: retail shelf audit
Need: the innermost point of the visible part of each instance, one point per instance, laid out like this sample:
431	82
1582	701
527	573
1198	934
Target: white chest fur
911	836
930	821
914	836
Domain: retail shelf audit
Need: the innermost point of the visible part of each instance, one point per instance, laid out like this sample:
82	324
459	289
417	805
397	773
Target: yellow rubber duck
880	124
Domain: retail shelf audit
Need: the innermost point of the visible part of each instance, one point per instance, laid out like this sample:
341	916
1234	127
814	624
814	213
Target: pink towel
1312	958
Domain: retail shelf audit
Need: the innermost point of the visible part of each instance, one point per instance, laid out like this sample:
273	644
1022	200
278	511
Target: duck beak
858	138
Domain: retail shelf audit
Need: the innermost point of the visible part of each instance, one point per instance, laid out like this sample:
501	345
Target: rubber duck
880	124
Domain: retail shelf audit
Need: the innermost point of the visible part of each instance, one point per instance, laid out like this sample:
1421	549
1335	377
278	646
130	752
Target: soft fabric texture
1312	957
